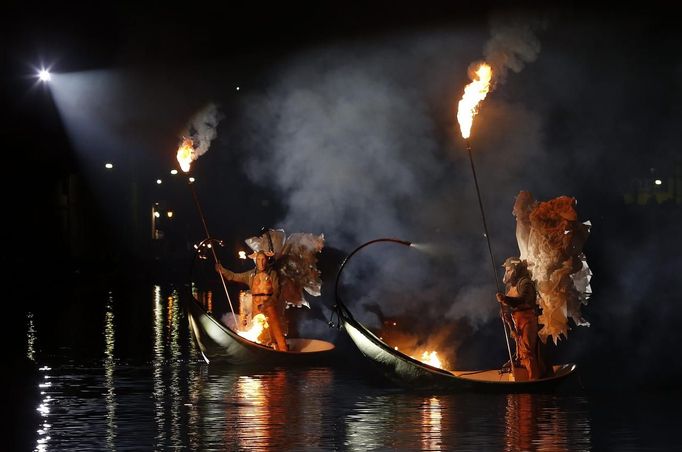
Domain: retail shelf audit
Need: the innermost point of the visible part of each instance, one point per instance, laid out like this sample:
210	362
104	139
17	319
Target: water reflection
30	337
544	422
158	365
109	367
469	422
105	403
44	410
166	365
431	437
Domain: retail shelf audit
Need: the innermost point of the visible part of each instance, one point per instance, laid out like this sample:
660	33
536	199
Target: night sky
340	119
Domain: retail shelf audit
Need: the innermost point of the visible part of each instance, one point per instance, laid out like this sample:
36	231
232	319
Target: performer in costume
264	285
285	267
520	297
551	240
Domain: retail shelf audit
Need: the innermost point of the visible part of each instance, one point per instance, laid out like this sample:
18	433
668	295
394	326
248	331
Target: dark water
118	370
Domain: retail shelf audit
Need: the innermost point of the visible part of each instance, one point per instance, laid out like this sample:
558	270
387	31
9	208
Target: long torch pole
215	258
490	248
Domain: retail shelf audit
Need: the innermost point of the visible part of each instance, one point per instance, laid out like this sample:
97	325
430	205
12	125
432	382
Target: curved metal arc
339	303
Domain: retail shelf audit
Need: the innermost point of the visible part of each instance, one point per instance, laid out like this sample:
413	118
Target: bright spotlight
174	172
169	214
191	179
158	181
658	182
157	214
44	75
108	165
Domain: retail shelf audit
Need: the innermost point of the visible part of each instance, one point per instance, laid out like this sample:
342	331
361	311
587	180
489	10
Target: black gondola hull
219	343
407	371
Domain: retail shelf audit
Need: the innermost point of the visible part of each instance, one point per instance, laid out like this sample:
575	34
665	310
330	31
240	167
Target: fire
259	324
430	358
186	154
474	93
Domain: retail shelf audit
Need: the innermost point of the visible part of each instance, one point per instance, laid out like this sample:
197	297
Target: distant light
169	214
174	172
191	179
158	181
242	255
44	75
237	88
658	182
157	214
108	165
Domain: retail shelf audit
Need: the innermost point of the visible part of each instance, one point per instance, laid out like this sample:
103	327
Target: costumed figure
520	313
285	267
551	240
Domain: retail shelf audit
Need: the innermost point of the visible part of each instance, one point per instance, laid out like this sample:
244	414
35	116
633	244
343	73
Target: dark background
59	228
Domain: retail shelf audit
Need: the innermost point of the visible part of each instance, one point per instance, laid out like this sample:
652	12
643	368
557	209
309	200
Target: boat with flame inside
219	343
425	373
243	341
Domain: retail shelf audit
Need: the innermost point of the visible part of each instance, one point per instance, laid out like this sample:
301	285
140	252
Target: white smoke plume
202	128
513	44
360	143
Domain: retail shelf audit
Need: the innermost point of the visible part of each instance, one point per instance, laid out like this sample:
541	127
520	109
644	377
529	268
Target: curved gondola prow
339	307
345	316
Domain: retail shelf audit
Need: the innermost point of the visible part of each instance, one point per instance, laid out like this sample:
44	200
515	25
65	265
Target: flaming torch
474	93
186	156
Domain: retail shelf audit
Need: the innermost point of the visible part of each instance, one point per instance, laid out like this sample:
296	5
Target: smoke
360	143
202	128
513	44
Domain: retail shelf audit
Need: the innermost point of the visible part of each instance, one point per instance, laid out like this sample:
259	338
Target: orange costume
521	297
264	285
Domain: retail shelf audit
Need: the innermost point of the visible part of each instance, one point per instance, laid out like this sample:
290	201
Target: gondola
220	344
405	370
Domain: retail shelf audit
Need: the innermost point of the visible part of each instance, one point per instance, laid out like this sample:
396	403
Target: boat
218	343
405	370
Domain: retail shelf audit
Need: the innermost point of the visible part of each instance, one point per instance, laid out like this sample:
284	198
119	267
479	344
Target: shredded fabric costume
551	240
295	262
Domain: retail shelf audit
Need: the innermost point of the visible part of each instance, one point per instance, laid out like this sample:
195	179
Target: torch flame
474	93
259	324
186	154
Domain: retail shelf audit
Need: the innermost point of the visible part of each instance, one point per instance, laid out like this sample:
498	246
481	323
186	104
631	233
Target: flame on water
186	154
259	323
474	93
431	358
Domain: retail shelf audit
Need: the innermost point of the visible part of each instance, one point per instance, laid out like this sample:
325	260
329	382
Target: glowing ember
474	93
186	154
259	324
430	358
